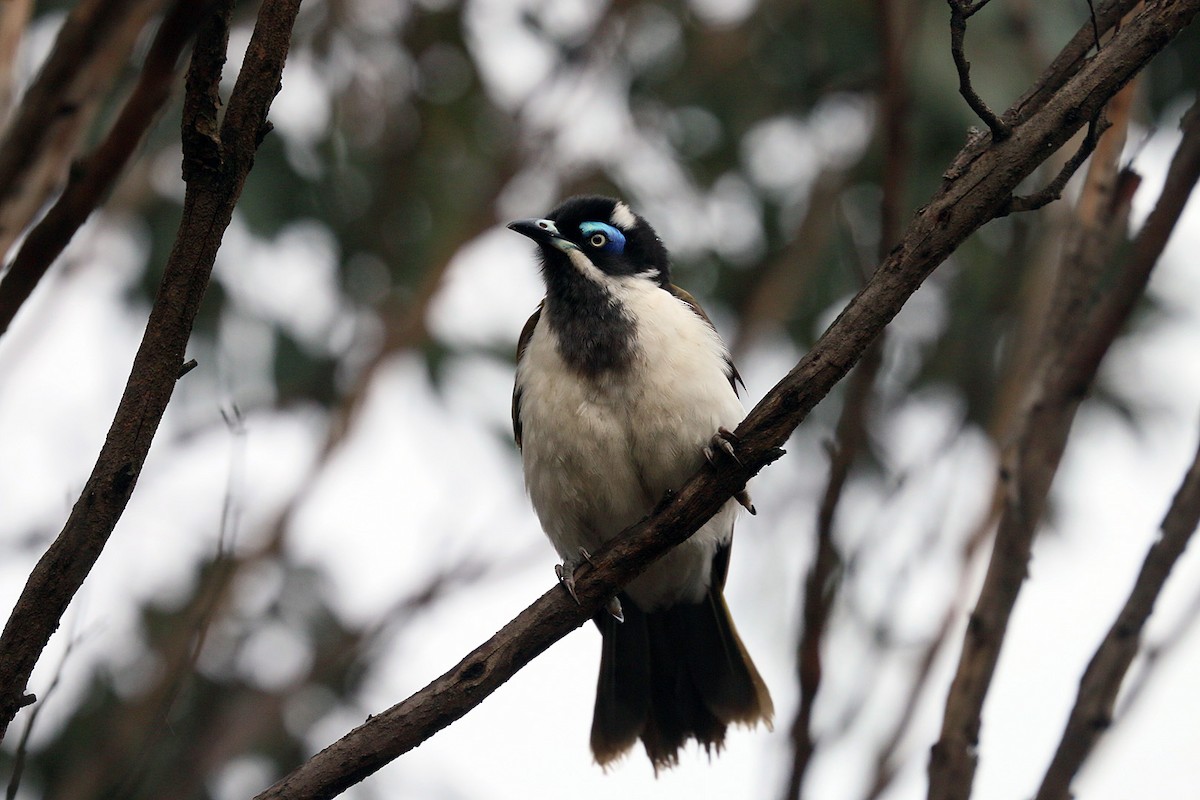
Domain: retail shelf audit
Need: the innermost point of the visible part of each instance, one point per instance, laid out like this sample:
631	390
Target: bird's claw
566	572
724	442
743	497
566	576
614	609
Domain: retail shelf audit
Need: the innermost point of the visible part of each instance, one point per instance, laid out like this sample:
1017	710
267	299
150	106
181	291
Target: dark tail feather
623	690
672	675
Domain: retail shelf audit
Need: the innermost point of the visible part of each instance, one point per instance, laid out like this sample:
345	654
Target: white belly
599	453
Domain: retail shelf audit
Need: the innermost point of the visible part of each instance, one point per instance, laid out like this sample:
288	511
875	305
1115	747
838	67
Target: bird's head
598	240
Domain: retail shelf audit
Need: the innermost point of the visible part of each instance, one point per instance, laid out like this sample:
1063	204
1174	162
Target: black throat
593	333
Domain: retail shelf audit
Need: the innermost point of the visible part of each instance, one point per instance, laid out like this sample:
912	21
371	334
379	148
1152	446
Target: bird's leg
566	571
723	443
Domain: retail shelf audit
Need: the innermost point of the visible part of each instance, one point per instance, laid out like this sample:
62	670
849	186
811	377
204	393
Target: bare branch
213	190
1100	216
1063	68
13	17
1102	18
1098	688
42	136
1154	654
823	581
1031	467
960	10
1054	189
92	179
1105	322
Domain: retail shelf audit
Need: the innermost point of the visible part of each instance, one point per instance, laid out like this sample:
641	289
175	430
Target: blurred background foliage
750	133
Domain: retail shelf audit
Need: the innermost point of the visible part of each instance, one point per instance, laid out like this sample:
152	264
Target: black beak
542	231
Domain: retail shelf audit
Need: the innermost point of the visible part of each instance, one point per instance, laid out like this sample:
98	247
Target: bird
623	388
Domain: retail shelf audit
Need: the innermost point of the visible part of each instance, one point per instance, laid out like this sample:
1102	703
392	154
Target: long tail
671	675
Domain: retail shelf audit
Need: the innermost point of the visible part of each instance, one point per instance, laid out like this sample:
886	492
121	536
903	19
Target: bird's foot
724	441
566	571
724	444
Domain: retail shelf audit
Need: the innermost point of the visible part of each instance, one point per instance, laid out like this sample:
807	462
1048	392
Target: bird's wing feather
522	343
734	378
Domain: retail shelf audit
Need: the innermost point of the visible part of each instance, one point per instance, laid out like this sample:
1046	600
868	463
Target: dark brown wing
522	343
734	378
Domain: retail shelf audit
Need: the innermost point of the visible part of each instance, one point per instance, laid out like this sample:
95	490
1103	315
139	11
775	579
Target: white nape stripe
622	217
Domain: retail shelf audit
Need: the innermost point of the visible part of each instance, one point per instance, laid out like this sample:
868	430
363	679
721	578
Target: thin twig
1154	654
187	367
960	10
1095	24
1062	68
1054	189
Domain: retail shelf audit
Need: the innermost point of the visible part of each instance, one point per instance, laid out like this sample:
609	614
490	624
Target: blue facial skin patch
614	239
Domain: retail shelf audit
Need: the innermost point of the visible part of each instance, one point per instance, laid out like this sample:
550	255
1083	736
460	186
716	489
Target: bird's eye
602	237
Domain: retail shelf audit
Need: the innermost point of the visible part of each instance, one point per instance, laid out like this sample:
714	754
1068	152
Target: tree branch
213	189
92	179
1101	19
1098	688
1054	189
958	209
1031	467
823	581
1107	318
824	578
1065	66
960	10
42	135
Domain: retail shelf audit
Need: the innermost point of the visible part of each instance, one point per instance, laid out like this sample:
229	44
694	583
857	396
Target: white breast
600	453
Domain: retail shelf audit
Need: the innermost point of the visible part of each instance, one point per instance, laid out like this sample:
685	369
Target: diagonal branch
214	185
42	136
1054	189
1065	66
91	180
1098	688
957	210
1030	471
1106	319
